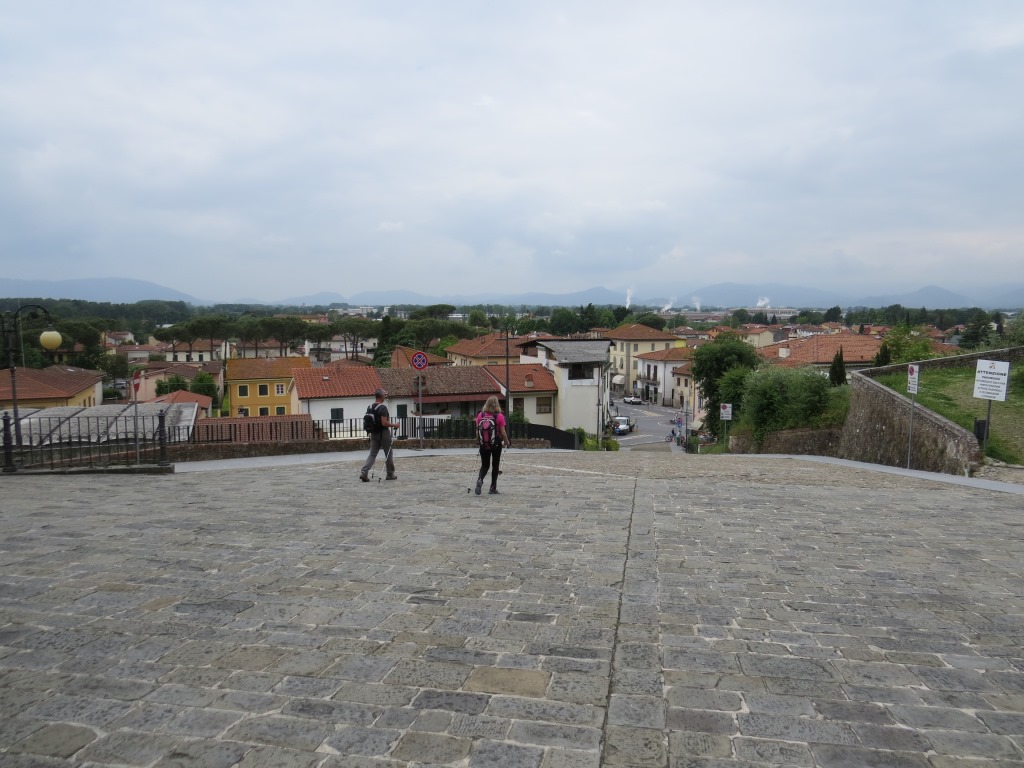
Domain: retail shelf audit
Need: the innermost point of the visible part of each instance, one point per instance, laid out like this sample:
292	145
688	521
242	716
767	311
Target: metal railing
61	442
55	442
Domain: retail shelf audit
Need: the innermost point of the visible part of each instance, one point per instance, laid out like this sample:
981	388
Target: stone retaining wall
878	427
878	430
799	442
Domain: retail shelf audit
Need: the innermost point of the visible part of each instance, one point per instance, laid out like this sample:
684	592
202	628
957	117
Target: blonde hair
491	406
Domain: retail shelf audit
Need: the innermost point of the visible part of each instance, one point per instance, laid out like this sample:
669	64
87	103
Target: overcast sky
270	150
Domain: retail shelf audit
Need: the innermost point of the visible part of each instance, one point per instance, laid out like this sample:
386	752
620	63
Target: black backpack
371	419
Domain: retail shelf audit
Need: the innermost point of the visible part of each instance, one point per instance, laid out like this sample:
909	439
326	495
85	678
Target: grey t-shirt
382	414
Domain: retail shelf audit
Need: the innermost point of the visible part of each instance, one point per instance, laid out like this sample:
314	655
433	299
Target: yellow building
629	341
262	386
53	387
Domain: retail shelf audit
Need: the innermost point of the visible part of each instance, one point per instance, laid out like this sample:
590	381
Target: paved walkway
633	609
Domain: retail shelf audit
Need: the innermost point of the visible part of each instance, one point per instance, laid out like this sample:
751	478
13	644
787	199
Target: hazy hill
120	290
116	290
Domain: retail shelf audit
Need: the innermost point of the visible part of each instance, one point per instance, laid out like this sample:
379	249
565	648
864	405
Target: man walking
380	437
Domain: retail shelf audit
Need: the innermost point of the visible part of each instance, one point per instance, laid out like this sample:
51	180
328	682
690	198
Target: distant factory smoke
629	297
695	300
763	302
668	306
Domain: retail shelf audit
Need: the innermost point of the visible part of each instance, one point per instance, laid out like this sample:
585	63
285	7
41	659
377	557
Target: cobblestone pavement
603	610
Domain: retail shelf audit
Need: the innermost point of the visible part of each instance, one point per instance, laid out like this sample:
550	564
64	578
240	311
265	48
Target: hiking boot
493	490
391	477
479	485
363	477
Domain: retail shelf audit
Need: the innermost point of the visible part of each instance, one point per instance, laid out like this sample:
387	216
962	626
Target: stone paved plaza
632	609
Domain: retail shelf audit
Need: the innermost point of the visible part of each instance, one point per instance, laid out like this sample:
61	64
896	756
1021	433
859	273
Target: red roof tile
820	349
639	332
57	381
183	396
241	369
519	373
669	355
337	381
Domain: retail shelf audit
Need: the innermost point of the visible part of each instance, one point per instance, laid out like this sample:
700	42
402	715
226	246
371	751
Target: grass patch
950	393
836	409
714	448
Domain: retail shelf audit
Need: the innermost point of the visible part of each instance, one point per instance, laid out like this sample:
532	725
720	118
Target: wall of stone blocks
878	427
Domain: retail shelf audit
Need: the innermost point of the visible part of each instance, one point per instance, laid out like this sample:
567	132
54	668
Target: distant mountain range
118	290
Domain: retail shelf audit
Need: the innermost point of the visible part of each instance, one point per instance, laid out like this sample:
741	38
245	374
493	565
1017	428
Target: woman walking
490	429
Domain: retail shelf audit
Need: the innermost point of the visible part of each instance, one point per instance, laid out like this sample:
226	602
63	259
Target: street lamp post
508	389
49	339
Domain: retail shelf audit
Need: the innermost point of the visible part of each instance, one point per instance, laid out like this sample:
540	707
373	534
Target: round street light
50	339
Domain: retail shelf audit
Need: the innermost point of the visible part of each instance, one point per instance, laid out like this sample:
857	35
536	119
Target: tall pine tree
837	371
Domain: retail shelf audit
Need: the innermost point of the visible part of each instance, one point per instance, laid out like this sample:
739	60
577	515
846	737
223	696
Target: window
519	405
402	411
544	404
243	390
263	390
636	347
279	389
243	411
579	371
279	410
337	414
264	411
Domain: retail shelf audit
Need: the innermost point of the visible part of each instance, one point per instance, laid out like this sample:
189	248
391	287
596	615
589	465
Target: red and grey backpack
487	429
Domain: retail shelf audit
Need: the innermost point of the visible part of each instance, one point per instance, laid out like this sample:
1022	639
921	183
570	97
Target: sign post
419	362
990	383
913	374
725	414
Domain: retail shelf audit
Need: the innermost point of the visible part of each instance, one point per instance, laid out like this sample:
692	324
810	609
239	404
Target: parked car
622	425
632	400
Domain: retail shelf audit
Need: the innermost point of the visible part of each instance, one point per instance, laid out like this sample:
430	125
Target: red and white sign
137	380
913	373
726	412
419	361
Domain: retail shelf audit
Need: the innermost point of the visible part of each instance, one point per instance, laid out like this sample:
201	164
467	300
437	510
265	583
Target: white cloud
576	144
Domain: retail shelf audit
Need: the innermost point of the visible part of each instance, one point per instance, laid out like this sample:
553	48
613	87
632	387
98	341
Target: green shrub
732	388
836	409
783	398
588	442
581	437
